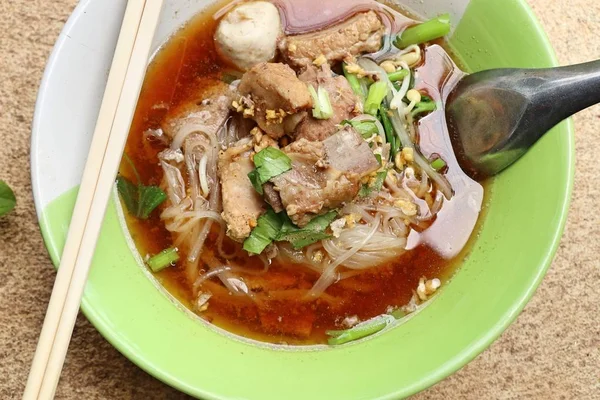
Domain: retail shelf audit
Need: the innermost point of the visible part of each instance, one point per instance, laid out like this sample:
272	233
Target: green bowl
525	218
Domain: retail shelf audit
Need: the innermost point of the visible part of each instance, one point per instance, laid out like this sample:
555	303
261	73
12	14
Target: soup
289	175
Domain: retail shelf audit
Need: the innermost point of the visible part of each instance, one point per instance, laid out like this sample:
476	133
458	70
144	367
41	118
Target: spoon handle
558	93
497	115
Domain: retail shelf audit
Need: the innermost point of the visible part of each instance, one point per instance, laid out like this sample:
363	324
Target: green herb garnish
426	105
272	227
360	331
433	29
269	163
379	159
366	128
354	82
366	189
390	133
377	92
311	233
321	105
164	259
398	75
438	164
139	199
266	231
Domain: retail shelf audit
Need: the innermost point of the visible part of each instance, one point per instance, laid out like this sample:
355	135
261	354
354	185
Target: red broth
187	64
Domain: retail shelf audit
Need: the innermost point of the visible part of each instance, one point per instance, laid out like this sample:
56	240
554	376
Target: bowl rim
451	366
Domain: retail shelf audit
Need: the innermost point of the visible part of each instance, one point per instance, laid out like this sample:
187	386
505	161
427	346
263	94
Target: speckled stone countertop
552	351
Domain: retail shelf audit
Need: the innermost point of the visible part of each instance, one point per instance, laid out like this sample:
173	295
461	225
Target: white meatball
248	34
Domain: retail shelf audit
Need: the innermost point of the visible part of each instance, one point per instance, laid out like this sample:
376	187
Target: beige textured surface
551	352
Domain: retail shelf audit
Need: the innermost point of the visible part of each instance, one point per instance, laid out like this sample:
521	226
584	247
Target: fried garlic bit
275	116
320	60
406	156
427	287
407	207
244	105
261	140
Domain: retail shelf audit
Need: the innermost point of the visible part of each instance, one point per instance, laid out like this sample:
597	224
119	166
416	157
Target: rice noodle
396	100
413	48
204	277
329	276
184	131
203	177
175	183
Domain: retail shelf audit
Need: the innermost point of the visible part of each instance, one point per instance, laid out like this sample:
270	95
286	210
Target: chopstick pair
114	120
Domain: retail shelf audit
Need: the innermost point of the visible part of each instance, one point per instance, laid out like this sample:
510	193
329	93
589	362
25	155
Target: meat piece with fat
362	33
207	113
324	175
279	99
272	197
242	205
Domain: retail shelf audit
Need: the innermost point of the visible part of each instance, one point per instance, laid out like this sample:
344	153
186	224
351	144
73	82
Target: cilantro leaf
279	227
269	162
150	198
267	229
366	190
321	222
303	238
254	177
311	233
140	200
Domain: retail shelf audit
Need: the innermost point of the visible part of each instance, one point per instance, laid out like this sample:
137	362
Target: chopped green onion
8	201
425	106
433	29
438	164
366	128
267	229
359	331
321	105
377	92
354	82
164	259
398	75
390	134
379	159
270	162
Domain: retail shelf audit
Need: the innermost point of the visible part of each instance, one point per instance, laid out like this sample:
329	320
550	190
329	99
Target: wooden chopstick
112	127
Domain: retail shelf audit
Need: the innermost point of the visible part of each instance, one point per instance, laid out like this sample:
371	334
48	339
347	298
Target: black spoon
495	116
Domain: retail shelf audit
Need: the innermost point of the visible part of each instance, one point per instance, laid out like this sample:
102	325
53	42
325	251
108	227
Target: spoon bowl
495	116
